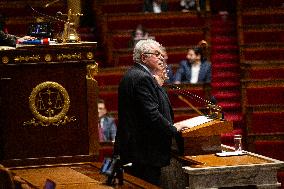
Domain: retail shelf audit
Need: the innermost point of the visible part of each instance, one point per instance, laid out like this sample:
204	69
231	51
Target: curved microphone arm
189	104
47	16
214	111
50	3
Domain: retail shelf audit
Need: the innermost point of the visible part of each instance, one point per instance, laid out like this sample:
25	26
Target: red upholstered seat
132	7
266	73
167	38
122	7
263	36
152	20
265	95
108	79
267	122
105	151
228	138
276	18
267	53
260	3
273	148
110	98
177	103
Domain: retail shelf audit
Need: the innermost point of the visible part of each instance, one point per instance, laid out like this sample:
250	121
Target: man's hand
180	126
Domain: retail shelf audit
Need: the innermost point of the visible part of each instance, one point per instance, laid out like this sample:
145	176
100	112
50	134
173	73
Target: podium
48	103
204	138
201	167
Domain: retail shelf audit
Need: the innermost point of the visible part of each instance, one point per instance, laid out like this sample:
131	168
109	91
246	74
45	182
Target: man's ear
143	58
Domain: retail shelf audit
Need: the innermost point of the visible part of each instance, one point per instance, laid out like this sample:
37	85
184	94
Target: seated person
155	6
107	126
10	181
195	69
187	5
6	178
11	40
139	33
204	49
7	39
168	67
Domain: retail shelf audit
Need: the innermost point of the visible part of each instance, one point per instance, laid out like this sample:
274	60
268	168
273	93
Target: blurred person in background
155	6
107	126
194	69
139	33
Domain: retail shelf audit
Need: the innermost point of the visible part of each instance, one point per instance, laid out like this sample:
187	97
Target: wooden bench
263	107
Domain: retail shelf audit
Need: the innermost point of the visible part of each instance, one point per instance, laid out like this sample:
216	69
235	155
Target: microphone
214	111
50	3
59	13
127	165
213	100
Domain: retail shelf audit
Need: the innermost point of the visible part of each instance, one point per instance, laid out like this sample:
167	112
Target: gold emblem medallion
47	57
90	55
49	103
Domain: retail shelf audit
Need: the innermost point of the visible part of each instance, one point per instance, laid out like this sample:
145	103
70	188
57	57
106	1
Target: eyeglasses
157	54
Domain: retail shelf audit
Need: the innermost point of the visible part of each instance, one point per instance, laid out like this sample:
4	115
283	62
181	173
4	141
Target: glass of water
238	142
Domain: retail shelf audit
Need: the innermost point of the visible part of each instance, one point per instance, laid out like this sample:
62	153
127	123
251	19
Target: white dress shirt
156	7
194	73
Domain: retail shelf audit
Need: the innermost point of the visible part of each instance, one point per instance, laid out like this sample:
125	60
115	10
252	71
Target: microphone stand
188	103
50	3
214	111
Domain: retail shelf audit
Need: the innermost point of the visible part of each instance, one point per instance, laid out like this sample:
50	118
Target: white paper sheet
195	121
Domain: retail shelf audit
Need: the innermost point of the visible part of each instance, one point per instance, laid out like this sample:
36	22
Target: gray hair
143	46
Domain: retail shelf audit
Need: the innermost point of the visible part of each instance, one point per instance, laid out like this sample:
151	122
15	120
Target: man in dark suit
145	117
195	69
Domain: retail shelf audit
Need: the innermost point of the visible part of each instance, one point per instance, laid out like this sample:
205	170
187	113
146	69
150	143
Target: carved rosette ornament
90	55
5	59
49	103
47	57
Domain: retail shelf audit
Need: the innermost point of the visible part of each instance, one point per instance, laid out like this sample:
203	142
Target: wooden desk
73	176
211	171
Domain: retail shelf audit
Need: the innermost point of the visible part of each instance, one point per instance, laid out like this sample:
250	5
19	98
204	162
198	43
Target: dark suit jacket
145	120
148	6
183	73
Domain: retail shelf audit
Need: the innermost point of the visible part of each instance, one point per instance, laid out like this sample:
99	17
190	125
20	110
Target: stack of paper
195	121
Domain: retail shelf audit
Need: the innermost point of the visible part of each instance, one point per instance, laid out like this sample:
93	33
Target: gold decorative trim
75	56
5	59
49	103
90	55
27	58
92	70
47	57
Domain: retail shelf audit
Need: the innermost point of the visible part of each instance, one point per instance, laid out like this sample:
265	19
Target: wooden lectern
48	103
204	138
